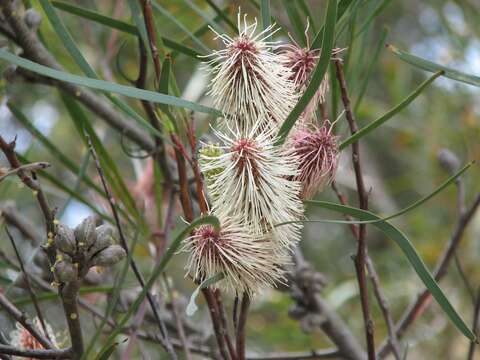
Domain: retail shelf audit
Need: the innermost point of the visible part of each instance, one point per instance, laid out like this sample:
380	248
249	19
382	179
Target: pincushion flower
250	83
317	151
301	62
253	181
248	262
22	339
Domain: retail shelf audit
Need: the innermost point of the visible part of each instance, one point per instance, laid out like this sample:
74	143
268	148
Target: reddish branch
418	307
375	279
361	256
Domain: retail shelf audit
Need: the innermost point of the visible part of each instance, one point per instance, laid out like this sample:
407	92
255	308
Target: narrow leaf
192	306
433	67
105	86
412	256
376	123
121	26
295	21
265	12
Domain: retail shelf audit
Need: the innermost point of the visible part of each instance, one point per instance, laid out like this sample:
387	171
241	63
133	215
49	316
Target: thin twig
33	297
223	321
36	354
314	354
166	342
360	258
419	305
27	167
242	322
178	318
26	323
375	279
68	292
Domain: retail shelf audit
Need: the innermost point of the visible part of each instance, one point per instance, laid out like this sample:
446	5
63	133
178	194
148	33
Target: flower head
254	183
250	83
248	262
317	151
22	339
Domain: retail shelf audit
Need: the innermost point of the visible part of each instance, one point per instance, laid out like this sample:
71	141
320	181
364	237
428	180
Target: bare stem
168	346
36	354
242	322
360	258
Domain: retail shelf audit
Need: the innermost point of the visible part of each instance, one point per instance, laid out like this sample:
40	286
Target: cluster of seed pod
81	248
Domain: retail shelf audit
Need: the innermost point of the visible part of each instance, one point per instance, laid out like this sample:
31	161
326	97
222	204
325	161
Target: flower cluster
256	185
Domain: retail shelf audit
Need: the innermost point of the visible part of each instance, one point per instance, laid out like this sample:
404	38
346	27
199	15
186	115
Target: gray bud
65	239
109	256
85	233
33	19
65	271
104	239
448	160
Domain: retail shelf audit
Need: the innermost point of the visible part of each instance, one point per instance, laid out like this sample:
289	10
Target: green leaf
412	256
378	9
222	16
112	173
159	268
343	6
318	73
370	68
295	21
265	12
207	20
409	208
376	123
172	18
121	26
105	86
73	50
192	306
306	11
433	67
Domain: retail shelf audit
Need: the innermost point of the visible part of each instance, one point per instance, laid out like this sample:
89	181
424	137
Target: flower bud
32	19
448	160
65	271
104	239
65	239
108	256
85	233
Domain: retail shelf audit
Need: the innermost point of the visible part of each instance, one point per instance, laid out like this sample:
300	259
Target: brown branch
33	297
319	312
242	322
26	167
26	323
420	304
150	26
314	354
15	218
375	279
36	354
69	292
166	342
360	258
34	50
